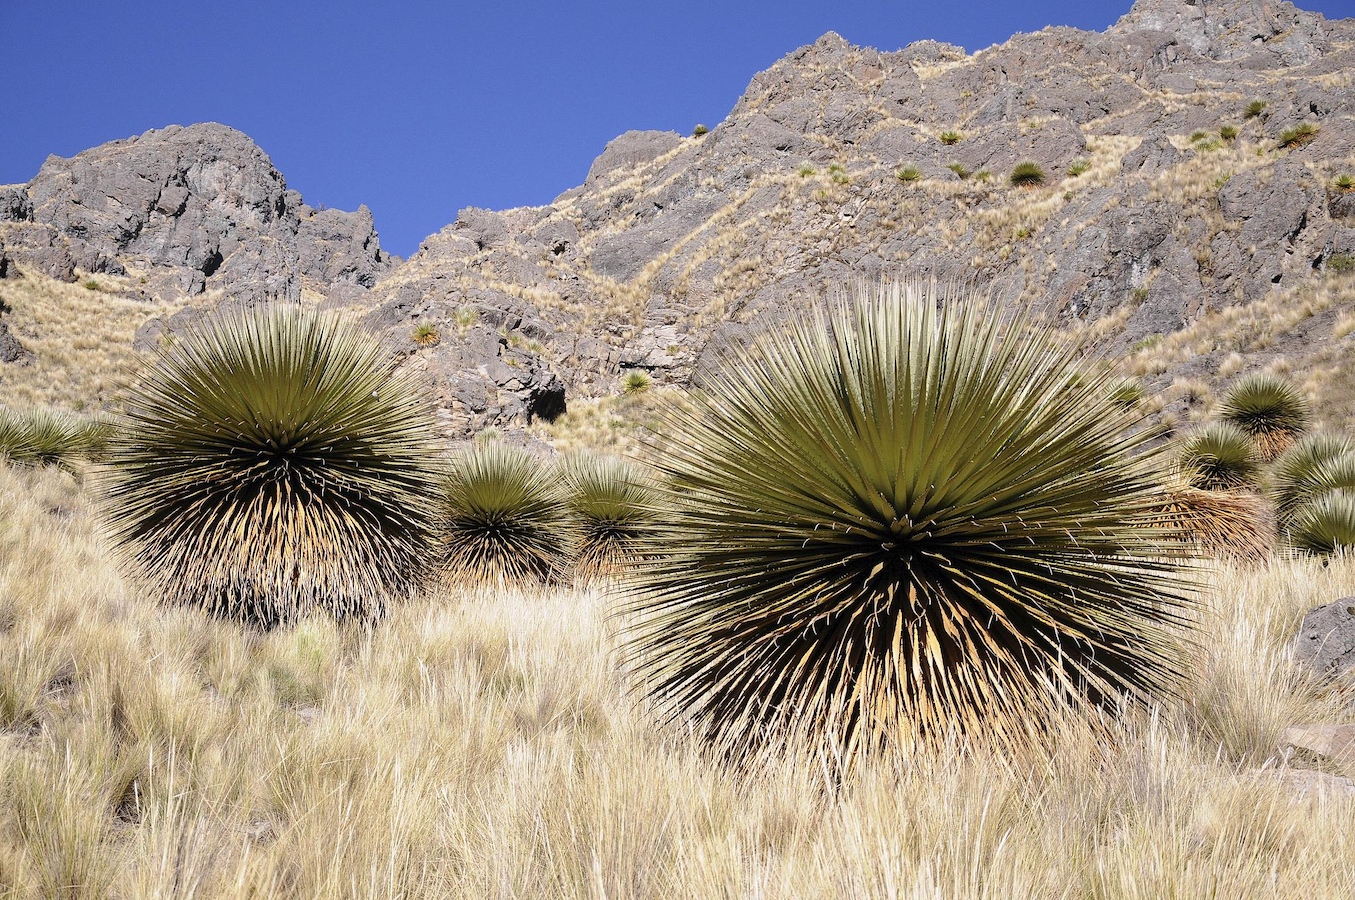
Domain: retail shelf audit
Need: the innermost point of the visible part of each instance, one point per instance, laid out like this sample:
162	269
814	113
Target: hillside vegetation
483	744
658	543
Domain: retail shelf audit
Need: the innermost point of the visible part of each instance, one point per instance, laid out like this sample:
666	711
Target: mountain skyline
426	110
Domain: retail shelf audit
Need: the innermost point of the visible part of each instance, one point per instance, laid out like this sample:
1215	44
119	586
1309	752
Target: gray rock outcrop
195	209
1168	197
1326	639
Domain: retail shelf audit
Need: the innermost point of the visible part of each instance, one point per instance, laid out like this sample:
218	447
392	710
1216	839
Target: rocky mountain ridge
194	210
1190	201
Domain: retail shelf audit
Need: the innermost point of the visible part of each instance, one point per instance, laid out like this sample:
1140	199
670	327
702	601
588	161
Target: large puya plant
899	517
274	462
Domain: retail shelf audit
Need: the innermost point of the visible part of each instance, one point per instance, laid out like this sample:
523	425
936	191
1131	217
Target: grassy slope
485	746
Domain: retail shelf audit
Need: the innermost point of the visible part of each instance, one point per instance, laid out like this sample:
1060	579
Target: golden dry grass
81	339
484	745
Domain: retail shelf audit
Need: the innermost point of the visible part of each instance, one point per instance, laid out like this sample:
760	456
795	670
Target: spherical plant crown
274	461
897	517
1027	174
1316	464
504	518
1270	409
1325	525
43	437
1218	457
613	504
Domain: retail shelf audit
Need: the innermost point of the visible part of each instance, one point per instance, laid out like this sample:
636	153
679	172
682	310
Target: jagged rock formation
192	209
675	244
1191	156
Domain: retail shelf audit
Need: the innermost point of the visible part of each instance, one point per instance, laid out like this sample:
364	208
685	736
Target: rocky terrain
1192	219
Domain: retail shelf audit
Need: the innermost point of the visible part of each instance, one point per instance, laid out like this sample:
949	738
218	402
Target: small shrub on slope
894	518
1270	409
613	506
1316	464
1325	525
1027	174
51	437
1299	135
274	462
1218	457
504	519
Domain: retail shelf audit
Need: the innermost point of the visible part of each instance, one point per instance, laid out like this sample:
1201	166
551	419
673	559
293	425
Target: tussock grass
81	343
483	745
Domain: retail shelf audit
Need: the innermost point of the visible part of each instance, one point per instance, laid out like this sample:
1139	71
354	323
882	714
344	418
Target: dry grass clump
1222	524
81	344
481	745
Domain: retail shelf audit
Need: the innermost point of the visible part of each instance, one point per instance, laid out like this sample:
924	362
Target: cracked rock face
676	246
1326	639
838	164
201	207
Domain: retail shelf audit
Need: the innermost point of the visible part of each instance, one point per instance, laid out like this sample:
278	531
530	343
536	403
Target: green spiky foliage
1325	525
614	508
1127	392
51	437
275	462
1027	174
1218	457
1316	465
896	518
504	518
1300	135
1268	408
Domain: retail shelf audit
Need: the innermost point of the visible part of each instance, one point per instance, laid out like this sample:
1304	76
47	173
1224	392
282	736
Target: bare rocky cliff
192	210
1170	195
1191	213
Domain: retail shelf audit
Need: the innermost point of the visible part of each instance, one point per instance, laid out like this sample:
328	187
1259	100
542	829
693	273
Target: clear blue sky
420	108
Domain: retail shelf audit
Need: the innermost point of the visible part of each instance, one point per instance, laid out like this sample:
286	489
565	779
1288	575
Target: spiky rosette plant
896	517
1127	392
504	518
1218	457
1325	525
43	437
1270	409
1316	464
274	462
614	507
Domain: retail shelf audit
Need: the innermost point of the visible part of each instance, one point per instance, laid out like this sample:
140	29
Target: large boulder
1326	639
